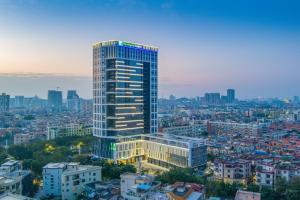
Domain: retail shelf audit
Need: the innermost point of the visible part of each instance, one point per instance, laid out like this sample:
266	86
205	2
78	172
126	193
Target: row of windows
126	53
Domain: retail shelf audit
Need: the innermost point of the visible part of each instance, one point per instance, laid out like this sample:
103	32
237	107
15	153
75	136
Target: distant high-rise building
19	101
224	99
73	101
4	102
55	100
86	105
296	99
230	95
212	98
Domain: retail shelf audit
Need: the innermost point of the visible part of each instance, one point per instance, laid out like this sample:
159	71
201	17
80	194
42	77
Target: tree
211	157
252	187
179	174
280	187
83	159
3	155
293	191
267	194
20	152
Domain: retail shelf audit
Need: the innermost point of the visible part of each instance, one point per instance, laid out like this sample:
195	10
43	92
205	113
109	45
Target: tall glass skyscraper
230	95
124	91
4	102
55	100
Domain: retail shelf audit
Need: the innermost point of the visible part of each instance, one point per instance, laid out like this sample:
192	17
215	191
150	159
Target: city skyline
156	100
22	87
252	47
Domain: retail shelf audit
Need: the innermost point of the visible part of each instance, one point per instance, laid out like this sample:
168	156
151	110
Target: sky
204	45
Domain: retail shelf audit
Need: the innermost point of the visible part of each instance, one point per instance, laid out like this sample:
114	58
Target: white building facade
67	180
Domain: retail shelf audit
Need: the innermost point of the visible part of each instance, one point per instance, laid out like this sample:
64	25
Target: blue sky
205	45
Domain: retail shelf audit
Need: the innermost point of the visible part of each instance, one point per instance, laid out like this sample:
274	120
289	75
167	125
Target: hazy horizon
204	46
21	84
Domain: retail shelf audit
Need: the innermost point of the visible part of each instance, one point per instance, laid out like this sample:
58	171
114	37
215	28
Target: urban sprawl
126	143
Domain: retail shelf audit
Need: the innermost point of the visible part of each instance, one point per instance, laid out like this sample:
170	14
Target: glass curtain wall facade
124	90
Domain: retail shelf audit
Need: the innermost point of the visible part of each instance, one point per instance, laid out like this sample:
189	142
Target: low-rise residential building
52	173
10	166
265	173
11	184
22	138
137	187
186	191
68	130
232	170
106	190
219	127
67	180
191	130
13	178
287	170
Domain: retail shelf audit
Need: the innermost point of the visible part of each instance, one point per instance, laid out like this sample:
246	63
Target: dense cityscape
149	100
126	143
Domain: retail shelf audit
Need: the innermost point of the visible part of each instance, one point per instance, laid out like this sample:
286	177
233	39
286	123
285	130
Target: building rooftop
80	168
6	180
9	196
124	43
245	195
187	191
10	163
54	166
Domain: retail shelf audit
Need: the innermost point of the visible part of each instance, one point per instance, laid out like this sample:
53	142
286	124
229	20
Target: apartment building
287	170
67	180
191	130
233	170
22	138
12	177
218	127
68	130
265	173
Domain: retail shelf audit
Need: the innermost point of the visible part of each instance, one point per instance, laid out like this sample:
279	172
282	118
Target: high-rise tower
124	90
4	102
55	100
230	95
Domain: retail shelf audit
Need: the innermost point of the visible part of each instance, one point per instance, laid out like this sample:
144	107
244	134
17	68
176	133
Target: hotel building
125	108
124	91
